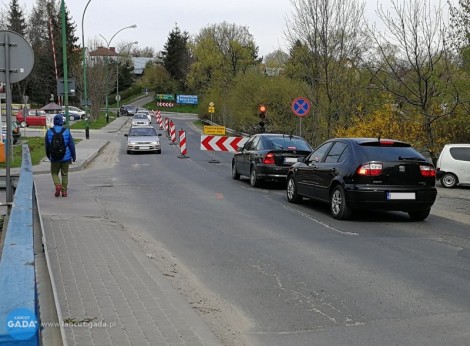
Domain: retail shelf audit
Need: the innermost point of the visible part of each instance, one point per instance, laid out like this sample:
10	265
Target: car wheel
129	152
449	180
23	124
254	181
419	215
71	118
235	175
158	151
339	208
292	195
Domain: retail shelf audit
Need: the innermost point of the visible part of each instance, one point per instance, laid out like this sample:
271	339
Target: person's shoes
58	188
64	193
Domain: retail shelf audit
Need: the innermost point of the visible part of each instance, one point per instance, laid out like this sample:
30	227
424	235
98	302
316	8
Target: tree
176	56
418	73
16	20
327	46
221	52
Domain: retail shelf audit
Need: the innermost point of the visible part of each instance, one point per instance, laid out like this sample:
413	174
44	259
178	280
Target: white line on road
319	222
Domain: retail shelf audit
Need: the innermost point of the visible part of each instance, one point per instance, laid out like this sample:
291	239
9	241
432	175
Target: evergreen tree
16	21
176	56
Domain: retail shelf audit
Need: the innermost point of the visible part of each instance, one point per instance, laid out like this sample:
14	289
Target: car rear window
391	153
288	143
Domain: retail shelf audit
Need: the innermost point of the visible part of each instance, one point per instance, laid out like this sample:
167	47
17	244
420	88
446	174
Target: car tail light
427	171
370	169
386	142
269	159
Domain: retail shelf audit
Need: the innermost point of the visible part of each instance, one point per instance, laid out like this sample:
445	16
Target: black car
128	110
268	157
365	173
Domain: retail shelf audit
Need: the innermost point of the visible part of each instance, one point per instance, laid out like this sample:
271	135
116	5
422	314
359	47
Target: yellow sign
214	130
211	109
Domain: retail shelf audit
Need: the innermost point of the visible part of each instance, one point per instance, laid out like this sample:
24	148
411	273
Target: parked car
15	132
73	116
268	157
143	139
140	119
75	110
35	117
453	165
365	173
128	110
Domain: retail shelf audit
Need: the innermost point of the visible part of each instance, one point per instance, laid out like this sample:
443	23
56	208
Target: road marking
319	222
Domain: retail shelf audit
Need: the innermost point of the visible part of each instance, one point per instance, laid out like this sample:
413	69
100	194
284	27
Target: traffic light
262	116
262	112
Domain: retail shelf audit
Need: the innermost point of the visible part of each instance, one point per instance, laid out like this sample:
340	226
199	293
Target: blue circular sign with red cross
301	106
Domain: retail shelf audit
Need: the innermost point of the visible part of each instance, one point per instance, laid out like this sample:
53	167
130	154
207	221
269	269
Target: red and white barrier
172	132
166	124
165	104
222	143
183	149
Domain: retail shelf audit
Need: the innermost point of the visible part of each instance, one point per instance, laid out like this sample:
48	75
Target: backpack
58	147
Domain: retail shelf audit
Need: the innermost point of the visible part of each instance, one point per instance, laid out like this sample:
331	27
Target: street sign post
16	63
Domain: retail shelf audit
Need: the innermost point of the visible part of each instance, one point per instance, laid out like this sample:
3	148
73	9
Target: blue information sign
301	106
187	99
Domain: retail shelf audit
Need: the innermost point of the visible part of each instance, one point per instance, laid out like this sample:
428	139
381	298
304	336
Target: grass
37	151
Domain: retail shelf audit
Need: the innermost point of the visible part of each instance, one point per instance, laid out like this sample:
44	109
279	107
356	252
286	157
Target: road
262	271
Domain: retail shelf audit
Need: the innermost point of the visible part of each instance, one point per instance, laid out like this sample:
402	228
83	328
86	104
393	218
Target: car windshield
142	132
289	143
140	116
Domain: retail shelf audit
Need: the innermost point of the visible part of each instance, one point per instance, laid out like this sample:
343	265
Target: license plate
144	148
290	160
401	195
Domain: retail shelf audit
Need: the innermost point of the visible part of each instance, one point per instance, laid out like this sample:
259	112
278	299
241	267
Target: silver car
140	119
143	139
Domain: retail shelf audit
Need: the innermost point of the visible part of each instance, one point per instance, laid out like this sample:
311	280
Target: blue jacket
69	143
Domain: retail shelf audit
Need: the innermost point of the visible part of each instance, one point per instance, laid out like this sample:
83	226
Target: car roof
363	140
277	135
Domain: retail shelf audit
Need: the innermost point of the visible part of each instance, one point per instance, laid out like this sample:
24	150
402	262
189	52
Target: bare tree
412	63
101	78
332	34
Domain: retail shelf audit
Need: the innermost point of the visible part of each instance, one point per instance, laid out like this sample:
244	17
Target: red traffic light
262	108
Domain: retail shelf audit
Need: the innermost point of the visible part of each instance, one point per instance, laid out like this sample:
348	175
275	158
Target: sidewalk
108	291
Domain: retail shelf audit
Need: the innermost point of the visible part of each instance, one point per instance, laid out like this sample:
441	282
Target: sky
155	19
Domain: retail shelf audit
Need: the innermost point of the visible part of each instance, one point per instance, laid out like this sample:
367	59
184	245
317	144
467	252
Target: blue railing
19	323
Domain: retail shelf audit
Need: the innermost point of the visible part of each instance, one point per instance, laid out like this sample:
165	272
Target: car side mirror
240	149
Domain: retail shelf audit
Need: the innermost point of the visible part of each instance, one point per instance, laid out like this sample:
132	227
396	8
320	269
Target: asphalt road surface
262	271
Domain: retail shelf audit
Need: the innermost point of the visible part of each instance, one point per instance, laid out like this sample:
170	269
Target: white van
453	165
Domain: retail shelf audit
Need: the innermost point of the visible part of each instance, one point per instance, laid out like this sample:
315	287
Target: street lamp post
118	97
108	45
85	90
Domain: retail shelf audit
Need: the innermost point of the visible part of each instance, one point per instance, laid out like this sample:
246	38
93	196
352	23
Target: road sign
222	143
21	57
214	130
118	98
301	106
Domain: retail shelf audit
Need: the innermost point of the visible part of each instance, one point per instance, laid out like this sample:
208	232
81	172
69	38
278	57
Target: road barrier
172	133
183	149
222	143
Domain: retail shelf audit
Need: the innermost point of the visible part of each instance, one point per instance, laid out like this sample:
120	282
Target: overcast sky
266	19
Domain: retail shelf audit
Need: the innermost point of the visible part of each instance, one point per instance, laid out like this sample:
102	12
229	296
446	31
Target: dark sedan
365	173
128	110
268	157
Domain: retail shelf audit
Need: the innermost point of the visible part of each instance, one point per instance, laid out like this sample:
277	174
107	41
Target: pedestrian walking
60	150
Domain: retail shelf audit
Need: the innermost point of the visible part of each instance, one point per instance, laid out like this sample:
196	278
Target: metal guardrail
18	296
